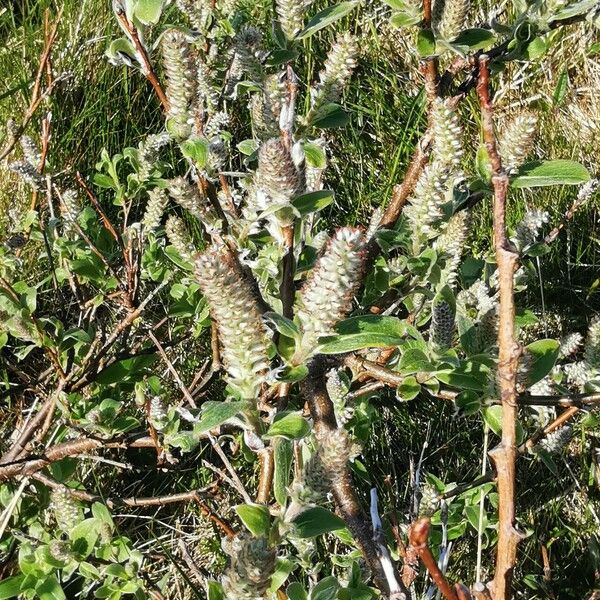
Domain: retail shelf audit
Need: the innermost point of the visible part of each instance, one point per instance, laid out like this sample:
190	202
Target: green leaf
148	11
11	587
290	425
50	589
409	389
283	325
426	42
283	568
326	17
315	155
474	39
492	415
562	87
391	326
117	48
216	413
248	147
415	361
282	461
124	369
543	355
312	201
326	589
196	149
461	380
280	57
330	116
468	402
255	517
404	19
84	536
536	48
102	513
550	172
316	521
339	344
215	591
295	591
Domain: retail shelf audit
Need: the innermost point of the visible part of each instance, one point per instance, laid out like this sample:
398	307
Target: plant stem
504	455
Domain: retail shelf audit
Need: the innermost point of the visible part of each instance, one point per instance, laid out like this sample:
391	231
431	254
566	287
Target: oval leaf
216	413
255	517
290	425
543	354
326	17
550	172
313	201
316	521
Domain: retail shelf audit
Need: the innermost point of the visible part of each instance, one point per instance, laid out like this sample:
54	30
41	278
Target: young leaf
11	587
295	591
283	568
255	517
426	42
339	344
216	413
326	589
409	389
543	355
326	17
315	155
196	149
474	39
289	425
124	369
562	88
316	521
148	11
312	201
550	172
331	116
283	325
215	591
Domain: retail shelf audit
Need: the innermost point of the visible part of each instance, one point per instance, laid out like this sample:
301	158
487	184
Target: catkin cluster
242	333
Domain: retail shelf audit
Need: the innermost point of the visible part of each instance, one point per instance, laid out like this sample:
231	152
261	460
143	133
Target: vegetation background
101	106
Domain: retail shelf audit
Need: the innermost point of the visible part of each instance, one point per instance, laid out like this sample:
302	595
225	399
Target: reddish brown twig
143	55
503	455
418	536
37	96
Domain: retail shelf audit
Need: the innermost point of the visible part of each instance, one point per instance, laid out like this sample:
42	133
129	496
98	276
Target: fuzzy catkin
252	564
180	88
452	243
197	11
450	16
339	65
65	509
31	152
70	209
155	207
517	140
188	197
242	332
447	134
569	344
327	295
426	205
277	176
441	330
291	16
149	151
528	229
207	96
179	237
27	173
